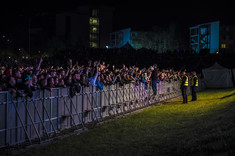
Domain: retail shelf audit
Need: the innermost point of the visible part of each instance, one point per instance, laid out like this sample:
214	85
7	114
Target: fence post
6	118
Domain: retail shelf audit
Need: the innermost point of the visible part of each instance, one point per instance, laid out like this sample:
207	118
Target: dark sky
137	14
186	14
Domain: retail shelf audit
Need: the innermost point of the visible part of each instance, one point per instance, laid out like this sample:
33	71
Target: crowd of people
21	76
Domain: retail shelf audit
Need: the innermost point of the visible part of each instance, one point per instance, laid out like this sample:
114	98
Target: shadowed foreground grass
204	127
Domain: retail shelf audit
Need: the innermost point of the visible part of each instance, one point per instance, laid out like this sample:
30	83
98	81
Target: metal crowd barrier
48	112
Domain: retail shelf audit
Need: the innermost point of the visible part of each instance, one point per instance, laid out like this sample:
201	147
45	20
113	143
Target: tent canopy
216	66
217	76
127	46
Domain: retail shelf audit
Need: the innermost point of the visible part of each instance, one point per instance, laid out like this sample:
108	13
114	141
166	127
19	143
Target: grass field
204	127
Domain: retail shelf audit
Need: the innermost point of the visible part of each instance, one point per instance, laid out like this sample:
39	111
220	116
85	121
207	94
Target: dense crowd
29	78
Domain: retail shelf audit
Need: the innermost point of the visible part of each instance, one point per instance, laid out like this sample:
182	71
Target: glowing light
223	45
94	29
93	44
94	21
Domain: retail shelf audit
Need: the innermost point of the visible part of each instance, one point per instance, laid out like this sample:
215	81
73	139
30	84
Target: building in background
213	36
121	38
158	39
47	33
205	36
88	26
227	38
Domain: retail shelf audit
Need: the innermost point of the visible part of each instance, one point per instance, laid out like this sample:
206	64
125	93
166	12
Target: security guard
194	85
184	86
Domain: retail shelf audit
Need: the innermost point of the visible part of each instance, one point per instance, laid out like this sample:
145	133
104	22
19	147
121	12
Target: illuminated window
93	37
93	44
94	30
223	45
94	21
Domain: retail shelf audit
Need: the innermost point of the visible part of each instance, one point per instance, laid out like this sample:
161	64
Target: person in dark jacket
154	79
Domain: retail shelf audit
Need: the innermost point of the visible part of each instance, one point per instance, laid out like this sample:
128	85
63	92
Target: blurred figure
184	86
194	85
154	78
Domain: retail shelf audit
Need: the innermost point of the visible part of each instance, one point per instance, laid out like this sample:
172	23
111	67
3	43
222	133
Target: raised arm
67	73
39	64
38	67
73	68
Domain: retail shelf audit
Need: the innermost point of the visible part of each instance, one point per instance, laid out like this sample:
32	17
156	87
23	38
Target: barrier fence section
47	112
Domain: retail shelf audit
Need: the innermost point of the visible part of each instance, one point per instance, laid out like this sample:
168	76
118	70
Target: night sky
165	12
134	14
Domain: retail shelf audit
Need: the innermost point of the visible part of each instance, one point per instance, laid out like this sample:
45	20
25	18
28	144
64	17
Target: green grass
204	127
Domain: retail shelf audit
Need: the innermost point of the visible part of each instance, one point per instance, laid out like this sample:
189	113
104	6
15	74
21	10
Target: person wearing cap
194	85
184	86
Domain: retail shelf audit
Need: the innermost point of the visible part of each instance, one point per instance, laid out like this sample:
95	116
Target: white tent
217	76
